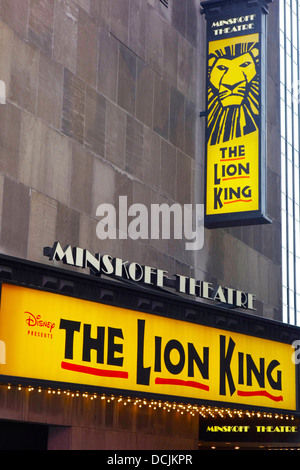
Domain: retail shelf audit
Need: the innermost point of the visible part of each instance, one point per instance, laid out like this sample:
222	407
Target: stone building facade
103	100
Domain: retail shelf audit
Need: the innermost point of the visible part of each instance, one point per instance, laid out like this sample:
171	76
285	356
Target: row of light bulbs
193	410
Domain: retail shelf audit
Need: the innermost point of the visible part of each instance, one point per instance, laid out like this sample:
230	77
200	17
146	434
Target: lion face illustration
231	77
233	93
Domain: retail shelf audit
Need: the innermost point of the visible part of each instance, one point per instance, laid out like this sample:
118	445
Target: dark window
22	436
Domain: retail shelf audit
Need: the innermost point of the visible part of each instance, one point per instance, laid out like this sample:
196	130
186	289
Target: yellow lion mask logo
233	92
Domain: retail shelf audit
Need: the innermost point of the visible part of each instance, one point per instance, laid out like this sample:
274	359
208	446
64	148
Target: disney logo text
33	320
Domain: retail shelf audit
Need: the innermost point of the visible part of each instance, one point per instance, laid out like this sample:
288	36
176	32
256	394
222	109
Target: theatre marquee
61	339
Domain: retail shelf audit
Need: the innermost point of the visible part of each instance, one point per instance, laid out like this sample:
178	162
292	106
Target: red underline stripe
235	178
231	159
94	371
238	200
260	393
185	383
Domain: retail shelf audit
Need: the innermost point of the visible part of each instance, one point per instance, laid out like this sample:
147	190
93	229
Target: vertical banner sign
235	112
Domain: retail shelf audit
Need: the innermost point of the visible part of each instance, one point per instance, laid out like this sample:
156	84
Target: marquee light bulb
190	409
